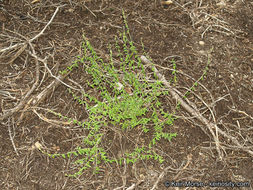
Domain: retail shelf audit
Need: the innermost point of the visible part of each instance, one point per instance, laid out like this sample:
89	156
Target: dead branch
189	159
41	96
211	126
23	101
44	61
35	37
50	21
17	54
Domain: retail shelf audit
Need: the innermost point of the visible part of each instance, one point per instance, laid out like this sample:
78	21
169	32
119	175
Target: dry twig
24	100
188	108
12	136
189	159
35	37
211	126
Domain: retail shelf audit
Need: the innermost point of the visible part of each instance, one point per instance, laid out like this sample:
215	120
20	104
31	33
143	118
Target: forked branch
211	126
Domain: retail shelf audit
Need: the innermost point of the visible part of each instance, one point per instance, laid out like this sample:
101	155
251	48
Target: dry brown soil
173	31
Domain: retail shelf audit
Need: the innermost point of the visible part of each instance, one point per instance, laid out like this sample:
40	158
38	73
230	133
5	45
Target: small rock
202	52
71	10
164	2
201	43
221	4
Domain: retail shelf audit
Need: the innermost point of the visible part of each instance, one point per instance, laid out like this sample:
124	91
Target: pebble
166	2
71	10
201	43
222	3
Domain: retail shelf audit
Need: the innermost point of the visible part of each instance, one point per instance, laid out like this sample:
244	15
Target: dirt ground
190	32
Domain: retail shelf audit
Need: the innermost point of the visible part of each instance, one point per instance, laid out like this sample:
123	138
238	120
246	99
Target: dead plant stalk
24	44
211	126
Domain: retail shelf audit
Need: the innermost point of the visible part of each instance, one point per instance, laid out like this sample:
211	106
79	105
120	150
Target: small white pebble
201	43
71	10
202	52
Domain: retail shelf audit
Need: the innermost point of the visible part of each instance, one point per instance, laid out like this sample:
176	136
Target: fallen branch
211	126
35	37
189	159
41	96
24	100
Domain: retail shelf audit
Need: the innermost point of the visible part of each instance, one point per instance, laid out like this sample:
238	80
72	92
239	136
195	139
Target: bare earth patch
214	141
